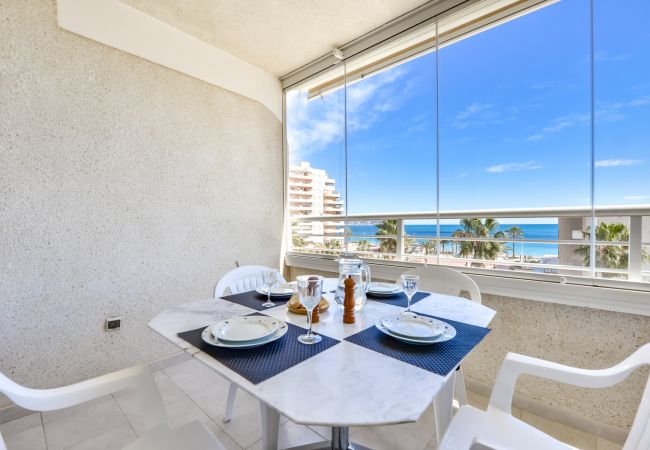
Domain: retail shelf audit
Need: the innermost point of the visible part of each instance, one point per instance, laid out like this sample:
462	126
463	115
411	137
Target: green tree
332	244
387	228
429	247
514	233
298	241
458	234
363	245
608	256
408	244
476	228
443	244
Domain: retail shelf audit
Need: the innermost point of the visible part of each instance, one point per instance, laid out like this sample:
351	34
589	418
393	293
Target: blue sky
513	113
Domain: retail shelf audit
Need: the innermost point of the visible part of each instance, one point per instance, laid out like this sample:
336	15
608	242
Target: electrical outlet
113	323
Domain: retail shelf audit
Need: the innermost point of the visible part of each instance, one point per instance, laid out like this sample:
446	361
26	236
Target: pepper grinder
348	301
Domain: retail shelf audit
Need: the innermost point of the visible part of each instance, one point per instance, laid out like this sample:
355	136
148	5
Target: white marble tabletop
345	385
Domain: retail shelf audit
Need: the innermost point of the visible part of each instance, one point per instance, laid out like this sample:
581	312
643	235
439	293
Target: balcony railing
619	249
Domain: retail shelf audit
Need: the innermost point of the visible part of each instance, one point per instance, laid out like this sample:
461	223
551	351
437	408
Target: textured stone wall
125	187
580	337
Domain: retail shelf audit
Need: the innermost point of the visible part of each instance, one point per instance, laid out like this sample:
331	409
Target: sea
422	232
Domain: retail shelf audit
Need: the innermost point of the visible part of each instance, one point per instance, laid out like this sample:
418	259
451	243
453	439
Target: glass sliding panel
622	92
391	127
622	135
421	243
373	238
515	113
316	156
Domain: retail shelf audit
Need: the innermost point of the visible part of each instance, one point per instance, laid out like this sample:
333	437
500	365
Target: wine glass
269	278
410	287
310	289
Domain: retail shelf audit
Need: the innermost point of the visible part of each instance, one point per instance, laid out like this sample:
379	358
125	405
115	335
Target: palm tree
429	246
363	245
408	244
478	229
514	232
333	244
387	228
298	241
608	256
458	234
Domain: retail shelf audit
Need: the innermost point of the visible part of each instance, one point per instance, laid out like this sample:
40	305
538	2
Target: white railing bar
468	239
571	211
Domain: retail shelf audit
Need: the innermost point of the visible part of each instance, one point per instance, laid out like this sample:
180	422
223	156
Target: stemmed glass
310	289
410	287
269	278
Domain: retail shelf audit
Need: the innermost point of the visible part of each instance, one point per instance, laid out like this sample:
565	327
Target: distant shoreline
424	232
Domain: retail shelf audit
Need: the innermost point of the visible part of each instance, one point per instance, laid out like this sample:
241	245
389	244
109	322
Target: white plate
383	289
276	291
244	329
418	327
448	334
209	338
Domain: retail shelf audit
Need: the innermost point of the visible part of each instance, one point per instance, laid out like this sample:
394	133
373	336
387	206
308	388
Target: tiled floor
193	392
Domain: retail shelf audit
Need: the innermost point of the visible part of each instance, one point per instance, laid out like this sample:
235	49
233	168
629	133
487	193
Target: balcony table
343	386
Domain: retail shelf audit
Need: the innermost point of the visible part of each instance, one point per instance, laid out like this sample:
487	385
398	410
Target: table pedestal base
340	441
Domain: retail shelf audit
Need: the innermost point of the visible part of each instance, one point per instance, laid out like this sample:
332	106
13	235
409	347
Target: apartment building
313	193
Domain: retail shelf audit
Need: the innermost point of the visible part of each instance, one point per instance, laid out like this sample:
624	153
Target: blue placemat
399	299
261	363
439	358
252	299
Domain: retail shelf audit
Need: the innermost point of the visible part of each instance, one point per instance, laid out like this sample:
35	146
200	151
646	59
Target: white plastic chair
495	428
444	280
158	435
241	279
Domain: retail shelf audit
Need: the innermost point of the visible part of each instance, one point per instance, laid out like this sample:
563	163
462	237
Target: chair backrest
242	279
446	281
147	396
639	436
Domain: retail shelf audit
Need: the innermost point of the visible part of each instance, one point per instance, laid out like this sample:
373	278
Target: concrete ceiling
276	35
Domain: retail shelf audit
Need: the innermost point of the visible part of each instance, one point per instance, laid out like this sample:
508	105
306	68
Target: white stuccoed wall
125	187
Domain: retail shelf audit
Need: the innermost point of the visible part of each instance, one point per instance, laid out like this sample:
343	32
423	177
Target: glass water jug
351	266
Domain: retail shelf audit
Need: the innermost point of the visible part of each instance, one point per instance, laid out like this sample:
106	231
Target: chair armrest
515	365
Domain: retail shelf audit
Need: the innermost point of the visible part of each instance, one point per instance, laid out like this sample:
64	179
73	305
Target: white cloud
472	110
473	114
618	162
312	128
641	101
514	167
636	197
558	126
535	137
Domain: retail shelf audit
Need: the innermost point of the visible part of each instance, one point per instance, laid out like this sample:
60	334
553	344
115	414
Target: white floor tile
179	413
561	432
291	435
603	444
409	436
192	376
325	432
49	416
18	425
245	427
27	439
226	440
212	399
109	440
82	423
169	392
